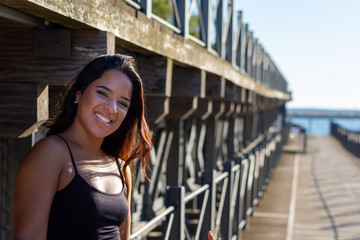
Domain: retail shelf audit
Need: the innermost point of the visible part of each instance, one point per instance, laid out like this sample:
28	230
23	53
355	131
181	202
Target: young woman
76	182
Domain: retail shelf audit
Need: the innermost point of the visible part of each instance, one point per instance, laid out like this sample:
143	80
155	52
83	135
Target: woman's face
103	105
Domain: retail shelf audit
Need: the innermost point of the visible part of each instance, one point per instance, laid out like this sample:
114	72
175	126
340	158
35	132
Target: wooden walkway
311	196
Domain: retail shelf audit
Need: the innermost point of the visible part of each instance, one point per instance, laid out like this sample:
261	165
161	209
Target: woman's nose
111	106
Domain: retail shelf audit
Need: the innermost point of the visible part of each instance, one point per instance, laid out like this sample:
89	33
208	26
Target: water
321	126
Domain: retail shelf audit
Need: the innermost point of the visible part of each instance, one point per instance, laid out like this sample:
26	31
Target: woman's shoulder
50	144
48	150
43	161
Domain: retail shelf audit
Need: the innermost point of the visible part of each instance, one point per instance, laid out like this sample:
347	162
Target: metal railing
221	30
224	200
349	139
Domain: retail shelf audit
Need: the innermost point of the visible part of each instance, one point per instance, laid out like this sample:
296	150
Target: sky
316	46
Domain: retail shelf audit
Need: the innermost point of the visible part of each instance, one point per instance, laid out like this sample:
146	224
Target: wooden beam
121	20
230	91
182	107
24	108
156	74
16	51
213	86
157	108
186	81
52	43
204	109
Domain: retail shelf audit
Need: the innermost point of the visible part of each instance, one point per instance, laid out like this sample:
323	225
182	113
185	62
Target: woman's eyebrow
105	88
127	99
109	90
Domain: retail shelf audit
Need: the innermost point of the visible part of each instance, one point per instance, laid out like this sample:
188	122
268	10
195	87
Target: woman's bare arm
36	184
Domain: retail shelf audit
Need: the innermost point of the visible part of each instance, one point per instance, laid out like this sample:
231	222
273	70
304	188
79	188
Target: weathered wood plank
53	43
230	91
182	107
18	64
157	108
213	86
121	20
11	152
153	71
186	81
22	106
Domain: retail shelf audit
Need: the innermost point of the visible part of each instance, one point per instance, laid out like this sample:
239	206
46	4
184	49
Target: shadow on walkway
312	196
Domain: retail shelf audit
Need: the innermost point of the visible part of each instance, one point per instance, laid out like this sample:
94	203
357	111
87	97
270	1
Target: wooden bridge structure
215	102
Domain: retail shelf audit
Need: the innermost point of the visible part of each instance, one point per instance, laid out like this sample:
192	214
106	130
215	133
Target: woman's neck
83	140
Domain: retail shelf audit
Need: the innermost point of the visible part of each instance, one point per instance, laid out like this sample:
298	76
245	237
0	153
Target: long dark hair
132	139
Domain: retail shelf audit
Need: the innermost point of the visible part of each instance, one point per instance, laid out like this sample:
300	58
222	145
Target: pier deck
313	196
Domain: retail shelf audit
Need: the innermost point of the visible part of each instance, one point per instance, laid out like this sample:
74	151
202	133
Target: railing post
228	213
206	11
208	177
175	164
183	7
250	188
146	5
210	151
175	197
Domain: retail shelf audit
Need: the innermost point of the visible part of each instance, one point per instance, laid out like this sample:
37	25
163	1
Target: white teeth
102	118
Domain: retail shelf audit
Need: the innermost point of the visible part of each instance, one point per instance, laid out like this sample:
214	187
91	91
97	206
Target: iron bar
221	177
202	214
221	206
133	4
171	219
167	24
148	227
197	192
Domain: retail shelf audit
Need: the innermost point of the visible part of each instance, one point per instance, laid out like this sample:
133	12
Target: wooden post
12	151
208	177
110	43
175	164
175	197
228	215
210	144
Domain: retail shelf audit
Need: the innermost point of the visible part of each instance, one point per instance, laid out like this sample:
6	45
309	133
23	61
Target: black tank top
80	211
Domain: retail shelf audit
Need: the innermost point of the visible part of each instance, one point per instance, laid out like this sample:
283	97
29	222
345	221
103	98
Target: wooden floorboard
321	202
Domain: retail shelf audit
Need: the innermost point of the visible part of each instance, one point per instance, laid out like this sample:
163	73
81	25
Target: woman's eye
123	104
101	93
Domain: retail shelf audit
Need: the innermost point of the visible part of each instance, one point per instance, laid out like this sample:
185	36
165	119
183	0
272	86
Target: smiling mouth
102	118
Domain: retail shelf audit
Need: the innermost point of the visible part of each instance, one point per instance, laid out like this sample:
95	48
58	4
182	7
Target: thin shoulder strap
72	158
120	170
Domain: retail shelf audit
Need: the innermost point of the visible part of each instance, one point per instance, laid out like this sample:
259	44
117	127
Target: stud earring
76	102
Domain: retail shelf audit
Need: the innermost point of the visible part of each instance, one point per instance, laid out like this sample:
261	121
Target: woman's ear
78	95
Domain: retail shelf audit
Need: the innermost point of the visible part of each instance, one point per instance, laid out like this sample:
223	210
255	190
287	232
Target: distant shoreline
321	125
322	113
321	110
